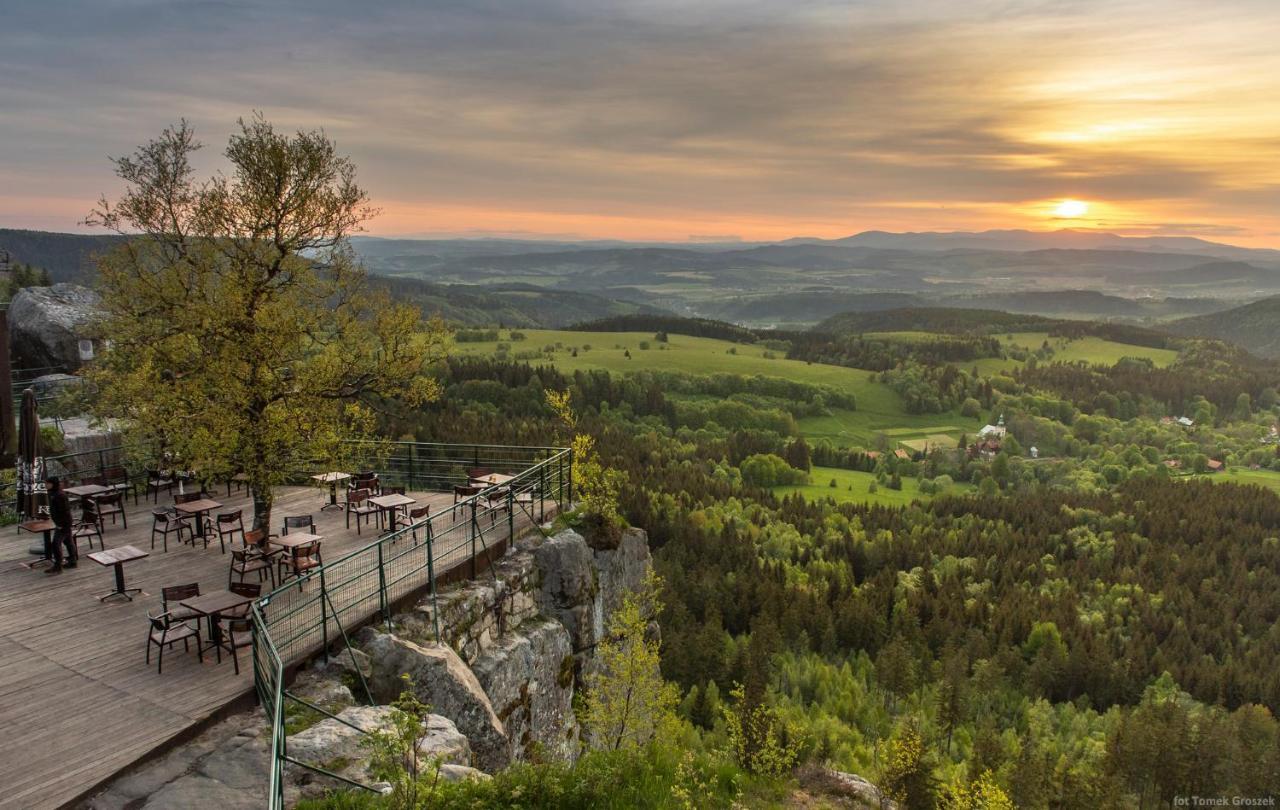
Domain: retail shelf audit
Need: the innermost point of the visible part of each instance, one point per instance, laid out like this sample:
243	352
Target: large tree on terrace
243	335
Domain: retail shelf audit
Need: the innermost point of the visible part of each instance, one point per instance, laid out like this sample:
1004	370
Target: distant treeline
883	354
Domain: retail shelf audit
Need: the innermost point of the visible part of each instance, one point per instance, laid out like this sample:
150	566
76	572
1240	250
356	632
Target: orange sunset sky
673	121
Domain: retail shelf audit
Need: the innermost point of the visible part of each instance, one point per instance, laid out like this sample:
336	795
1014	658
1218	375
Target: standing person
60	514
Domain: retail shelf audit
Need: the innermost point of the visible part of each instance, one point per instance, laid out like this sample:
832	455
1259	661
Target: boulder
569	587
622	569
440	679
337	747
528	676
46	325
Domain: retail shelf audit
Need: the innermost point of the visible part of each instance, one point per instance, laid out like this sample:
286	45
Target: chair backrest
187	497
109	500
299	522
255	538
246	588
357	496
306	550
394	490
479	472
466	491
117	475
176	593
227	518
420	512
158	622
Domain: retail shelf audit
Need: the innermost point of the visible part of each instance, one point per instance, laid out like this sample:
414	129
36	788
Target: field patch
852	486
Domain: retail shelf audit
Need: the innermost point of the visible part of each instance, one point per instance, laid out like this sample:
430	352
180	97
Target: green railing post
102	461
474	528
431	577
511	519
324	618
382	590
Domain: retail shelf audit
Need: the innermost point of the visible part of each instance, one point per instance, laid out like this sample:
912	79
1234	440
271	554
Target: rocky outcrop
569	587
528	676
440	679
337	747
46	325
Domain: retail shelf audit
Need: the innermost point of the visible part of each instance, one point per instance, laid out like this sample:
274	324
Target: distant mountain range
795	283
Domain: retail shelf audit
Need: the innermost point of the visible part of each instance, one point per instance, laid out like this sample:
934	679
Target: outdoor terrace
78	703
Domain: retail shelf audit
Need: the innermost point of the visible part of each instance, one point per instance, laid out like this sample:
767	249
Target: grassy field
1270	479
1088	349
879	407
852	486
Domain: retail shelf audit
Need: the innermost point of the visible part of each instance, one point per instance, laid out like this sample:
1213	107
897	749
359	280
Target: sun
1071	209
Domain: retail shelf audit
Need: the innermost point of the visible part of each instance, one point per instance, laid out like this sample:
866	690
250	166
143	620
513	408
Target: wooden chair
87	526
358	505
416	516
187	497
497	500
110	504
298	561
117	480
298	522
165	631
245	561
93	480
156	481
253	589
236	632
461	493
173	594
228	524
166	521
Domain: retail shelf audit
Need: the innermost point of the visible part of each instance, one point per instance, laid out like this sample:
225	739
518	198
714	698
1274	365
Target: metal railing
308	616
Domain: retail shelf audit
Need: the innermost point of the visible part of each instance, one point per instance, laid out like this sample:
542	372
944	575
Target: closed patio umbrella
31	486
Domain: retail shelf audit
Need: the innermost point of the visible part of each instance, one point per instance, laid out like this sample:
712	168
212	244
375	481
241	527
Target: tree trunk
262	509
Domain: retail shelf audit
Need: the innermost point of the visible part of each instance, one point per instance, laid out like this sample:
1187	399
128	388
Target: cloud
816	117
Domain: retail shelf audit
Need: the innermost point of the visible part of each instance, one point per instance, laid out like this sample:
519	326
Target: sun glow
1071	209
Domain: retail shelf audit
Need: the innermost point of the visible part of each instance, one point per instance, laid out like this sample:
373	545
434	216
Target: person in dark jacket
60	514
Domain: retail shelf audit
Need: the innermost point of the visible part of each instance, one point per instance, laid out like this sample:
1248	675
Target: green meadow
855	487
879	407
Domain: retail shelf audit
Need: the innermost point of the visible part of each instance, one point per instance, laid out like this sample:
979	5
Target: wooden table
117	557
294	540
211	605
390	503
45	527
493	479
198	508
332	479
87	490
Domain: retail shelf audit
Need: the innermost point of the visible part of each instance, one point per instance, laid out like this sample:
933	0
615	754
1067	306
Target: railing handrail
270	662
407	530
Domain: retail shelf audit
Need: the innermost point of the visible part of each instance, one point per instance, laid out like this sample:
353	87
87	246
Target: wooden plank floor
77	701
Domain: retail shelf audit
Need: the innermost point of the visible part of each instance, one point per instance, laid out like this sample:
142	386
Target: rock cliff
512	648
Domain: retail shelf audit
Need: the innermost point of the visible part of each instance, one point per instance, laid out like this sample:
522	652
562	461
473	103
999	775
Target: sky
674	120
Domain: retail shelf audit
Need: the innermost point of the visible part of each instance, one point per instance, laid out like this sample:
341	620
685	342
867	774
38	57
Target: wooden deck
77	701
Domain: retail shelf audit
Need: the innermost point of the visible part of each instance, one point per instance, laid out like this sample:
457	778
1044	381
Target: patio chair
156	481
87	526
417	516
165	631
298	522
236	632
166	521
298	561
252	589
461	493
497	500
358	505
228	524
93	480
477	472
110	504
117	480
246	561
187	497
171	595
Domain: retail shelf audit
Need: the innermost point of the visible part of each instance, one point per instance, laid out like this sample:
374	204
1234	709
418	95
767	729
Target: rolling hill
1254	326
